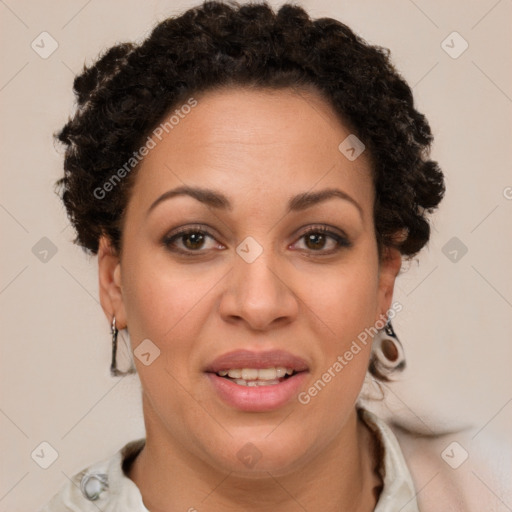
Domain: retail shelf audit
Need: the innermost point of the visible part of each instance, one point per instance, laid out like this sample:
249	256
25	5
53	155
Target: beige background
456	324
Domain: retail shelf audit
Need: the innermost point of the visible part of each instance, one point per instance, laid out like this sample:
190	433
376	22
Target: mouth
257	381
253	377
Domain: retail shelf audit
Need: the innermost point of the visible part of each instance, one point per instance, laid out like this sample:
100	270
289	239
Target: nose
259	294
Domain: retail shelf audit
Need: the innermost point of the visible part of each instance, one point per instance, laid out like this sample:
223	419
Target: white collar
398	493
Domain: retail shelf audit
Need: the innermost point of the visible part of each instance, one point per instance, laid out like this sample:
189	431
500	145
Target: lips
257	395
260	360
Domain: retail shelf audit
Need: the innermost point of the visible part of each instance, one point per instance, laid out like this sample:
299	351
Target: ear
389	267
109	274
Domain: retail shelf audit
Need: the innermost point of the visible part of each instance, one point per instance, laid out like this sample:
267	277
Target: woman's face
254	284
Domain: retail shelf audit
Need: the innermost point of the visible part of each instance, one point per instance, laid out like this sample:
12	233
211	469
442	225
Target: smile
257	376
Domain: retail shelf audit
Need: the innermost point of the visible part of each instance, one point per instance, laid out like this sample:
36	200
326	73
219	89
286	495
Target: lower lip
257	398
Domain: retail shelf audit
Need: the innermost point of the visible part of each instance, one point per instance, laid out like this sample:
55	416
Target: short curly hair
132	87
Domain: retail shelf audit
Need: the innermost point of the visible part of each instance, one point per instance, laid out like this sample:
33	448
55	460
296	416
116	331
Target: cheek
169	306
346	306
160	296
162	305
346	302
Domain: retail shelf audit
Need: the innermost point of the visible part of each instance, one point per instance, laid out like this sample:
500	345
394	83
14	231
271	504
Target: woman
250	181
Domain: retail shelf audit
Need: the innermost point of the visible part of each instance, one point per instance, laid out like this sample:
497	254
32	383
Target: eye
194	239
317	238
189	240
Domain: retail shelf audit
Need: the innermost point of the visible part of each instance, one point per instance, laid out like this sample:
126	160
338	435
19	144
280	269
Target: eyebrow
218	200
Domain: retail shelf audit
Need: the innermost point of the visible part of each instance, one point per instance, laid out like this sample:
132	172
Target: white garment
118	493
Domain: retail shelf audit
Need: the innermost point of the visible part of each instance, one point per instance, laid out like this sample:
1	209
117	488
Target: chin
258	455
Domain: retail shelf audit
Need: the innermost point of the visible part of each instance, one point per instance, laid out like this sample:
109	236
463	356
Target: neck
342	477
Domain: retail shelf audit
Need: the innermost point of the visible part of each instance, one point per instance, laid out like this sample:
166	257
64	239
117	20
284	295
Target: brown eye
323	241
189	241
193	240
315	241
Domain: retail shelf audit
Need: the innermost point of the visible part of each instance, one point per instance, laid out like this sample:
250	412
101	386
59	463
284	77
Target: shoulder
101	486
463	471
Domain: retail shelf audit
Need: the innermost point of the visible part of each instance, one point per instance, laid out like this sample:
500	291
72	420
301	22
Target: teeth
254	383
250	373
254	374
281	372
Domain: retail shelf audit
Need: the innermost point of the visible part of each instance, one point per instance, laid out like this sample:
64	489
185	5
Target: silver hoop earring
388	354
114	371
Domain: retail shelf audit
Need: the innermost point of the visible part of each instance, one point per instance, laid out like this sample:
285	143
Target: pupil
196	240
316	239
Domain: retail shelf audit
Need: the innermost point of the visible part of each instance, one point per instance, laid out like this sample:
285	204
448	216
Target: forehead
276	143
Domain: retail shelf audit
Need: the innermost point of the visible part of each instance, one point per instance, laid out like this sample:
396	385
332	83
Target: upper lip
248	359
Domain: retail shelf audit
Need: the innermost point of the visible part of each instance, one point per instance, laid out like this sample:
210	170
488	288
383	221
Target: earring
114	371
387	353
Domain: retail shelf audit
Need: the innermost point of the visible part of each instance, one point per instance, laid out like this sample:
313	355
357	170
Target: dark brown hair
127	92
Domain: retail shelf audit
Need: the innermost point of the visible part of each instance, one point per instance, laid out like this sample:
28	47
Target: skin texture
258	148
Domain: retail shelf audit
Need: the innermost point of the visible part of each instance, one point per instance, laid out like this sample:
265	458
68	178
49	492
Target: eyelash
168	241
